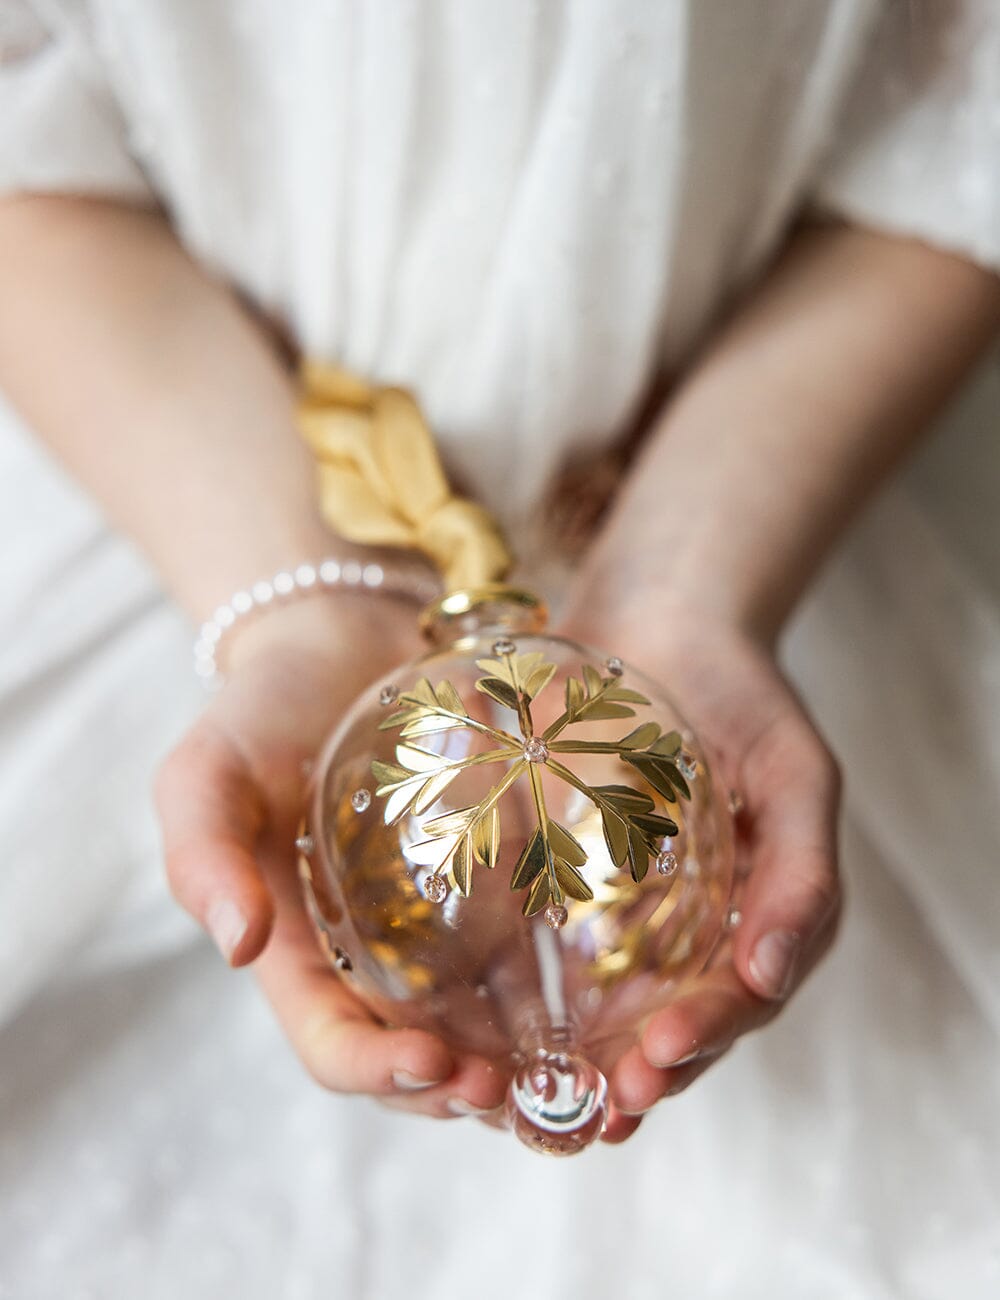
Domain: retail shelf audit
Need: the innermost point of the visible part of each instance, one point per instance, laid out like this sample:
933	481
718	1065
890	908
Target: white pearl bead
262	592
305	576
351	573
329	572
372	575
242	602
283	583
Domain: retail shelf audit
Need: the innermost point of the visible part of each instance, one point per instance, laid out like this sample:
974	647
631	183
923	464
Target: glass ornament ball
518	843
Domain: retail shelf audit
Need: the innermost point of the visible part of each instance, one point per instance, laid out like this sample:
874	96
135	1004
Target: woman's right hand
229	799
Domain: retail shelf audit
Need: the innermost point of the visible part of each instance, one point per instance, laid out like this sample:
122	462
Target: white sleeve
918	152
61	128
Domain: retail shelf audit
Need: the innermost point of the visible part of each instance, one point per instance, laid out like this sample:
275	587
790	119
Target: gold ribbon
381	482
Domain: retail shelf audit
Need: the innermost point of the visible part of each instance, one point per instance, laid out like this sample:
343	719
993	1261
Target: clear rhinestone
555	916
361	800
688	765
536	750
305	844
388	695
504	646
735	802
615	666
341	960
666	862
436	888
733	918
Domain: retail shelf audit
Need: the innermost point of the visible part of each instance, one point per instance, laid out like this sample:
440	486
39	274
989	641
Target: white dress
524	211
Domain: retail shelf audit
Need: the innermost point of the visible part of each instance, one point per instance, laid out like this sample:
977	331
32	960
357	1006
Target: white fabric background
523	212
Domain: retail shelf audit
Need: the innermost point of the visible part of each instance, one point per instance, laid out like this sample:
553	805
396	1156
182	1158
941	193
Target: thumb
211	813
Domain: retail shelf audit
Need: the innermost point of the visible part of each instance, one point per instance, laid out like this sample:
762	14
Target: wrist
375	631
637	591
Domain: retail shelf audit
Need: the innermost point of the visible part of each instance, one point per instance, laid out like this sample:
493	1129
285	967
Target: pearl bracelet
306	580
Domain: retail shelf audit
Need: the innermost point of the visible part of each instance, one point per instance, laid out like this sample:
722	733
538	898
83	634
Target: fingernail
226	924
668	1063
410	1083
459	1106
772	963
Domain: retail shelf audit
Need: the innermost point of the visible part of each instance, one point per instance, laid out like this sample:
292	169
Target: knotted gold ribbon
381	482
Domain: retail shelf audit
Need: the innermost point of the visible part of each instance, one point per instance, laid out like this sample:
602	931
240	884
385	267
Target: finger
475	1088
340	1043
619	1127
210	815
793	793
719	1009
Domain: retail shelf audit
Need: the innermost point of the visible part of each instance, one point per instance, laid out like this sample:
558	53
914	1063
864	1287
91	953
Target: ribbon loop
381	481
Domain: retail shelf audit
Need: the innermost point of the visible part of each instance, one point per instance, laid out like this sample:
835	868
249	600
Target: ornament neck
476	611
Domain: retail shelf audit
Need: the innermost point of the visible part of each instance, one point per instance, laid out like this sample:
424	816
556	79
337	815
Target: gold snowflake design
549	864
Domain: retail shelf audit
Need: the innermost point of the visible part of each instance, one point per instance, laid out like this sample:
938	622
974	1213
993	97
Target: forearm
814	389
162	395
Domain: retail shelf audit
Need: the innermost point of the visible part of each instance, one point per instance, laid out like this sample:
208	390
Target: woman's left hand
766	750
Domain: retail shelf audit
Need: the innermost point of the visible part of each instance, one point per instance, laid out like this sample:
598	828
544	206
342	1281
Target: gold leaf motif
486	838
668	745
498	690
432	790
638	853
397	804
624	696
422	693
394	719
415	759
461	867
539	895
642	737
452	823
496	668
389	775
566	845
424	726
550	865
661	774
538	679
531	862
574	695
450	698
601	711
615	835
572	882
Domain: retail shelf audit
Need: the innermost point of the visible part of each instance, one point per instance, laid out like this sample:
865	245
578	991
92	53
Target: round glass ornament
517	843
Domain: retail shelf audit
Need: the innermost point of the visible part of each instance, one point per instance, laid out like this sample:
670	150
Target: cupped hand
766	750
229	799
